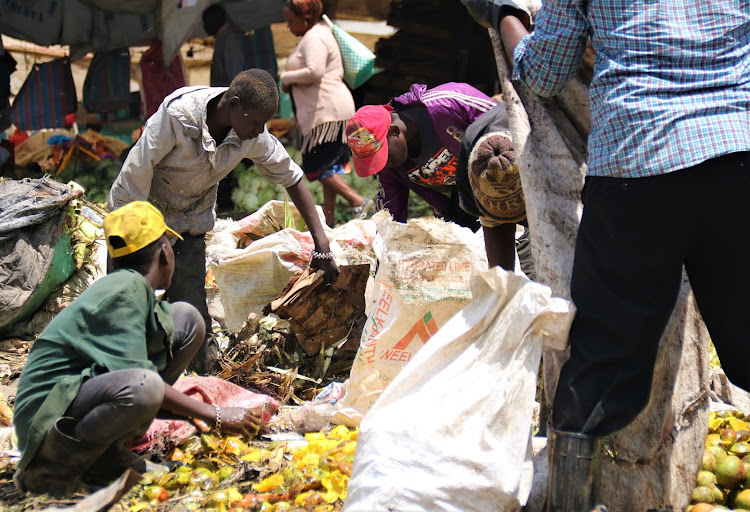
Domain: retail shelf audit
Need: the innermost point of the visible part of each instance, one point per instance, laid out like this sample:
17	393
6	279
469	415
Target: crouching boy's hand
238	420
241	420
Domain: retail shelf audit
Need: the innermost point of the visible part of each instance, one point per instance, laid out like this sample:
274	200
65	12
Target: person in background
418	143
322	105
233	48
104	367
198	135
233	53
669	153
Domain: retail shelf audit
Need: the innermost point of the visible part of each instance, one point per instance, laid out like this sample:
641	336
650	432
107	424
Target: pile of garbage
307	473
724	478
51	250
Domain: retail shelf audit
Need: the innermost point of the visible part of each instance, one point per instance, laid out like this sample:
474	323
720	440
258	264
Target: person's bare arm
512	29
500	244
239	420
303	201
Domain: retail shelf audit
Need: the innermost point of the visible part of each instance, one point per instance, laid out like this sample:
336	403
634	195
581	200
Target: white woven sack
451	432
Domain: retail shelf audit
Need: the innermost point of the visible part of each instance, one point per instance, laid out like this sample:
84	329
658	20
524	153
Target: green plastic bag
358	60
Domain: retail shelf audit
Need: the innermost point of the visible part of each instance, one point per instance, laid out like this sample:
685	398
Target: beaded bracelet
322	255
217	426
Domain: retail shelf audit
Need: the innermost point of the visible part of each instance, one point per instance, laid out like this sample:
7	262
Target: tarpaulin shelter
95	25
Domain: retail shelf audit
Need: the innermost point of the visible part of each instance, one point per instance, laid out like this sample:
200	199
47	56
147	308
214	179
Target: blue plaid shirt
671	84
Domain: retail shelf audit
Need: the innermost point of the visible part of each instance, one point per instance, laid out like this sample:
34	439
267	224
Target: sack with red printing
422	280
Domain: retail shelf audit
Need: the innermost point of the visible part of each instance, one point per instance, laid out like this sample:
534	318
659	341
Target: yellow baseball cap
138	224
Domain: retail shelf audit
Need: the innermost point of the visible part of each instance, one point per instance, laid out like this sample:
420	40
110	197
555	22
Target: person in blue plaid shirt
668	173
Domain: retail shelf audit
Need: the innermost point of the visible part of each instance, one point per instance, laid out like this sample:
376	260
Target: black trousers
189	285
634	238
189	279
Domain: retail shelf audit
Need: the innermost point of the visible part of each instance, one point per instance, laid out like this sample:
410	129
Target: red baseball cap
367	136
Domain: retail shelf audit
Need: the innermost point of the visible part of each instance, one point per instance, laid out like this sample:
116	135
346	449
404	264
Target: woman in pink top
323	104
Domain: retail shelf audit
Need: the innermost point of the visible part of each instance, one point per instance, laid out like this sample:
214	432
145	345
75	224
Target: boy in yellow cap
99	373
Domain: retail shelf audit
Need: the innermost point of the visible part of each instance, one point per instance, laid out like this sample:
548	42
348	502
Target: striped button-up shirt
671	84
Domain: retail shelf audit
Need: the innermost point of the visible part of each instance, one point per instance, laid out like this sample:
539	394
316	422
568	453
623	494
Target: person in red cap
417	143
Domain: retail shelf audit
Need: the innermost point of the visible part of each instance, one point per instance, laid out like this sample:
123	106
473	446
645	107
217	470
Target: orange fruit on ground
702	507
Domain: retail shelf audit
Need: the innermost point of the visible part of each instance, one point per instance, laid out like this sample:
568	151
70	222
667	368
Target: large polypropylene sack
422	280
452	431
250	277
35	256
658	455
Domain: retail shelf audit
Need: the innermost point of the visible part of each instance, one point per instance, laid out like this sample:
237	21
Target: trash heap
724	477
51	247
226	473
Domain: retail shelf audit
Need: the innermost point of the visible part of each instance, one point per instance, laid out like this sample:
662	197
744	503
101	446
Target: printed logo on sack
423	329
373	326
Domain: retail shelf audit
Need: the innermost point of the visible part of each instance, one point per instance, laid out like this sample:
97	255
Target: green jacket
115	324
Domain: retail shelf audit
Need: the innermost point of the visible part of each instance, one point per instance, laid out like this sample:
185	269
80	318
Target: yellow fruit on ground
339	432
730	472
737	424
715	424
732	497
742	501
705	479
713	440
740	448
703	495
720	497
728	437
717	451
269	484
702	507
709	462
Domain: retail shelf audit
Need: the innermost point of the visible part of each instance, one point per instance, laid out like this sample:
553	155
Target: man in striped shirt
668	173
